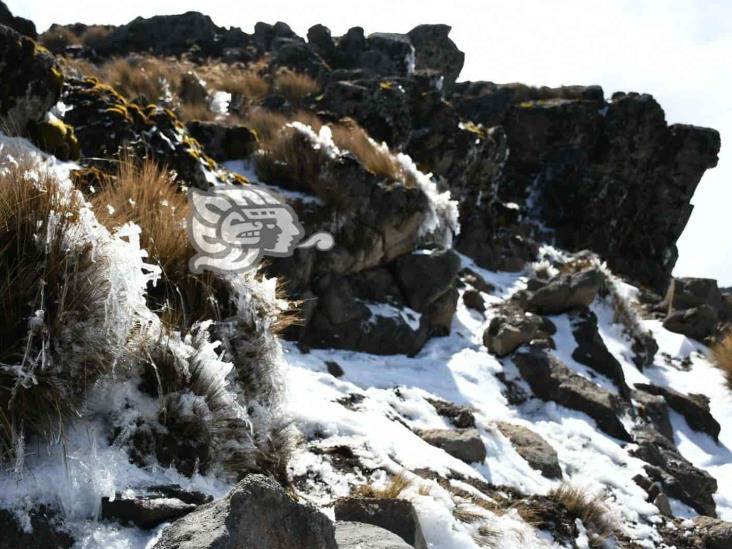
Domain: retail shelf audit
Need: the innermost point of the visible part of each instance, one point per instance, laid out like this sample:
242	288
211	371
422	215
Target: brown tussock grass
393	489
58	39
590	509
295	87
39	271
145	194
722	355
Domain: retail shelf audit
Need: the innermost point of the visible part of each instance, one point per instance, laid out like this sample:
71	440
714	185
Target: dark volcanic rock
171	35
565	292
552	380
20	24
697	323
591	350
31	80
256	513
463	444
395	515
425	277
694	408
679	478
434	50
653	409
611	176
145	512
533	448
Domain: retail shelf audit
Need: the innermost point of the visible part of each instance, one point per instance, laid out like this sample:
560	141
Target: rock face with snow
256	513
552	380
534	449
488	324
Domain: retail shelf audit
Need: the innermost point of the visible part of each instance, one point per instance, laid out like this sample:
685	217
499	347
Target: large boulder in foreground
358	535
395	515
31	80
256	514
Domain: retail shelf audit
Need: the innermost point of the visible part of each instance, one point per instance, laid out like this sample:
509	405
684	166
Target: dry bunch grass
393	489
295	87
49	286
722	355
375	158
145	194
590	509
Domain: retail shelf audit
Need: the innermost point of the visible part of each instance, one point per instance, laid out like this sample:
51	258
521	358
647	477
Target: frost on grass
98	393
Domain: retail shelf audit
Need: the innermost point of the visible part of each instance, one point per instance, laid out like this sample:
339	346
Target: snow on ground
391	392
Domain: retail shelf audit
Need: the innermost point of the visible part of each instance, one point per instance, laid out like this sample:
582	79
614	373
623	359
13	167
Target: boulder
257	513
463	444
565	292
678	477
550	379
472	299
32	80
471	278
358	535
591	350
533	448
19	24
425	276
510	329
434	50
715	533
697	323
144	512
694	408
687	293
46	531
395	515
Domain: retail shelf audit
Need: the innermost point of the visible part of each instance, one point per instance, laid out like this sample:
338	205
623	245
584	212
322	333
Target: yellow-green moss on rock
56	138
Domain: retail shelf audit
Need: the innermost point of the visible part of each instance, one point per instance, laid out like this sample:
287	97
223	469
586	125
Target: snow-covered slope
380	402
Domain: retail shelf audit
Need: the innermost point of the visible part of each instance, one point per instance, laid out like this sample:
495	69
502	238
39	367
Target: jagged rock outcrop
695	307
551	380
256	513
31	80
20	24
592	351
678	477
172	35
107	125
610	176
694	408
434	51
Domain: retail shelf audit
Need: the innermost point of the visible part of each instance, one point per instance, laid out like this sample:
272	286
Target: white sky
677	50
